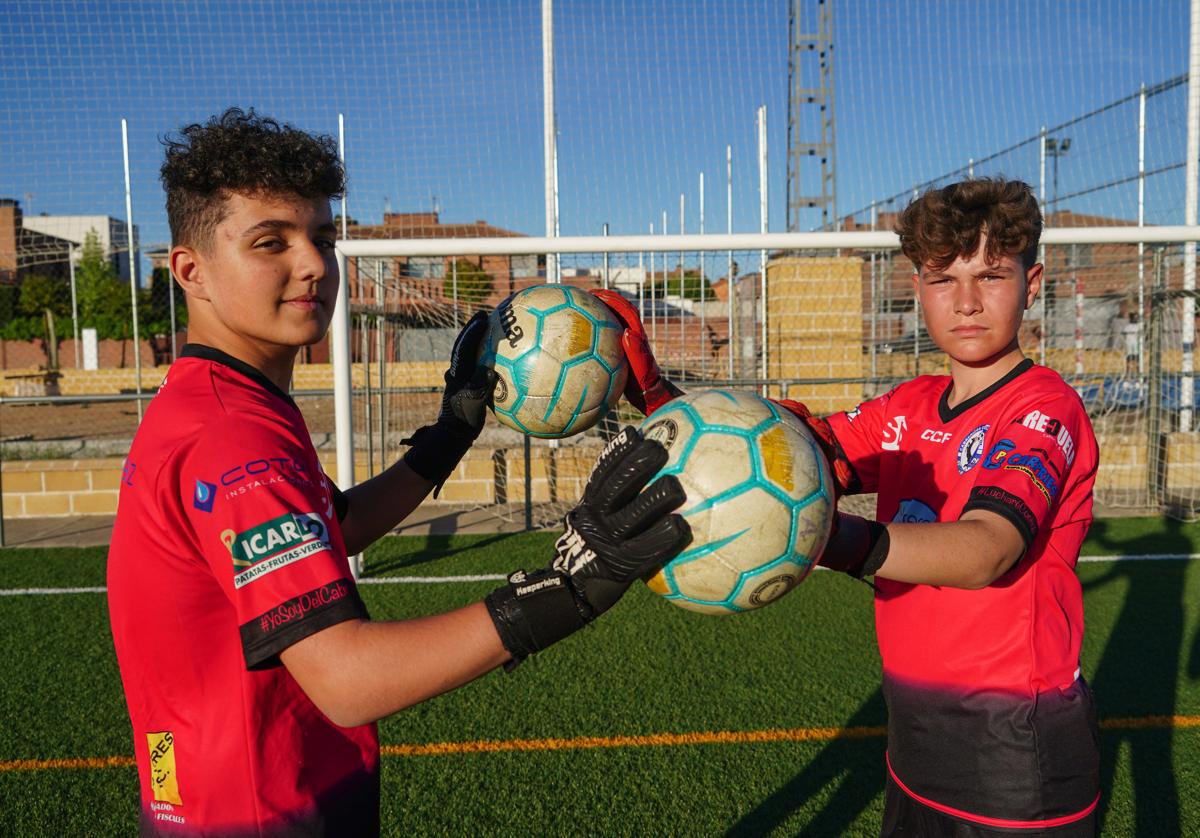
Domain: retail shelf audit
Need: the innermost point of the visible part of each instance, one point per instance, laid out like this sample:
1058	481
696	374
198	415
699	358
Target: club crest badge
971	450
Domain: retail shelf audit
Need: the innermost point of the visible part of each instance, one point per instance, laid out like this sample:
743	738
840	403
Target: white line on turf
375	580
497	577
430	580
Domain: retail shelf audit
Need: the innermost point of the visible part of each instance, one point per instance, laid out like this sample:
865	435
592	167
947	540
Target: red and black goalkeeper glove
856	546
646	388
844	479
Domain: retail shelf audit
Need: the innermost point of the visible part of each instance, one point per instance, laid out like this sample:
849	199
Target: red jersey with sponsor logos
226	550
988	717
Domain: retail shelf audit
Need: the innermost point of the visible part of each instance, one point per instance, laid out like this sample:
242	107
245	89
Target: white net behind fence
655	128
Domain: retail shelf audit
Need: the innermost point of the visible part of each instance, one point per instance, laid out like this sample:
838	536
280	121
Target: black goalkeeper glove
437	448
618	533
856	546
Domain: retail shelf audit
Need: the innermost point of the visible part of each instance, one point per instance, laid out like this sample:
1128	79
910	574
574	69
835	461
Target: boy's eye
266	244
326	244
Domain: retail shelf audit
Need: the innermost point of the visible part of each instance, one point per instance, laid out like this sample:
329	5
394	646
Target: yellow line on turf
58	764
716	737
713	737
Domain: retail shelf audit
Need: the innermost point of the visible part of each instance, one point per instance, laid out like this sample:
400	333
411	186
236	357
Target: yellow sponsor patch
163	779
777	458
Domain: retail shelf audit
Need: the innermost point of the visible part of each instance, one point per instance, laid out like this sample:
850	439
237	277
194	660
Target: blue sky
443	100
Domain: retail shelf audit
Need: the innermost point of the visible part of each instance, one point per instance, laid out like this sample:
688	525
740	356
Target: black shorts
903	816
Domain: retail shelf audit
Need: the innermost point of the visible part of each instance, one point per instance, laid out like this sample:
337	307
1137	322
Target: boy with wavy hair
252	672
984	480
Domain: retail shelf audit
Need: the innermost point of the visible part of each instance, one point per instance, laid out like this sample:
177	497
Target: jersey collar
208	353
947	413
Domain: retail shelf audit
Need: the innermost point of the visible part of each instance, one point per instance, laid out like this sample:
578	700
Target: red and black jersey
226	550
988	717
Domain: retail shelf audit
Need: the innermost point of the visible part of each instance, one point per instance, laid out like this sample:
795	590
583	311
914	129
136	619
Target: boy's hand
618	533
844	479
437	448
646	388
856	546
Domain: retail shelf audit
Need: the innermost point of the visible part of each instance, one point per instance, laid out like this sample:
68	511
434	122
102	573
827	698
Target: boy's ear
187	267
1033	284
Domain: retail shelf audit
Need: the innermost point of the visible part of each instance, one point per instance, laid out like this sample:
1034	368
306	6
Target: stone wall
61	488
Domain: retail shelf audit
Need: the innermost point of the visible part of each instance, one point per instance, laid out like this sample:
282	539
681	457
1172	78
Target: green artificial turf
808	661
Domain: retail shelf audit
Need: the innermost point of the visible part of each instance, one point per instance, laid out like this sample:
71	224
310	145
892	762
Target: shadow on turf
854	766
1138	673
1137	676
435	547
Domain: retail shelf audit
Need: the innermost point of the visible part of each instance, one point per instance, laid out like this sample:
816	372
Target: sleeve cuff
1007	506
268	634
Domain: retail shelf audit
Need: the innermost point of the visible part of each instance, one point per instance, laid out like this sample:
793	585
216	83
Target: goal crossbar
858	240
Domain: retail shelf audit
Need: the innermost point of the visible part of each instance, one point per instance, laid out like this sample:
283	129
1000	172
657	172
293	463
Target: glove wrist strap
436	451
533	611
859	547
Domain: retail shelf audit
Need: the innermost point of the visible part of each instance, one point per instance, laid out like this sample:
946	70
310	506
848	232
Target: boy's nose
311	263
967	299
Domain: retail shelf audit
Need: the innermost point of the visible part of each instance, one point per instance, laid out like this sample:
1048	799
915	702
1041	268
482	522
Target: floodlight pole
1042	249
339	349
729	286
703	301
1141	309
133	270
1187	381
549	140
762	254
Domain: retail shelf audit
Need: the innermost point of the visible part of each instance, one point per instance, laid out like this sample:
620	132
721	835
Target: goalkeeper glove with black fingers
856	546
437	448
646	388
621	531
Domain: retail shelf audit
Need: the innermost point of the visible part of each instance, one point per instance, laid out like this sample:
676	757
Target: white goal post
811	244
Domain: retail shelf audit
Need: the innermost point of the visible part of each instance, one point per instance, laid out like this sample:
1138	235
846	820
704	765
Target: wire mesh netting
656	130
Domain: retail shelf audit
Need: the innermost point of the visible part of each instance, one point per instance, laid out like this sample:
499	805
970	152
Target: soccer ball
759	500
558	358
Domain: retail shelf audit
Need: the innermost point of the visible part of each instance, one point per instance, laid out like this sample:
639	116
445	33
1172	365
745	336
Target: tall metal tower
812	135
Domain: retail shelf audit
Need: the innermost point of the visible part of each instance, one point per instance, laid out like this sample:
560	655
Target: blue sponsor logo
206	495
913	511
971	450
1031	466
998	454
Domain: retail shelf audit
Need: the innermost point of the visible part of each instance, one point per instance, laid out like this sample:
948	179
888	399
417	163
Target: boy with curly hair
252	672
984	480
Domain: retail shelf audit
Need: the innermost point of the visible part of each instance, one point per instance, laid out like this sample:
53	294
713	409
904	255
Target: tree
41	303
103	298
154	305
472	282
690	285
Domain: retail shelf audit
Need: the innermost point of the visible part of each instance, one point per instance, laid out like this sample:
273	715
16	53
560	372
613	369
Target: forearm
377	505
361	671
969	553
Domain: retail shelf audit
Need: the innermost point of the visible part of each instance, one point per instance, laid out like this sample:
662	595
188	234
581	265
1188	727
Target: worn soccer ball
759	500
557	354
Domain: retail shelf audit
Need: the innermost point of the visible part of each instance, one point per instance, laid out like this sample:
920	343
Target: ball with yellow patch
759	500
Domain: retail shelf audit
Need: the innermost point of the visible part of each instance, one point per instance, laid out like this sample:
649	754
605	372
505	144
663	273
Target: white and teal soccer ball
759	500
558	358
